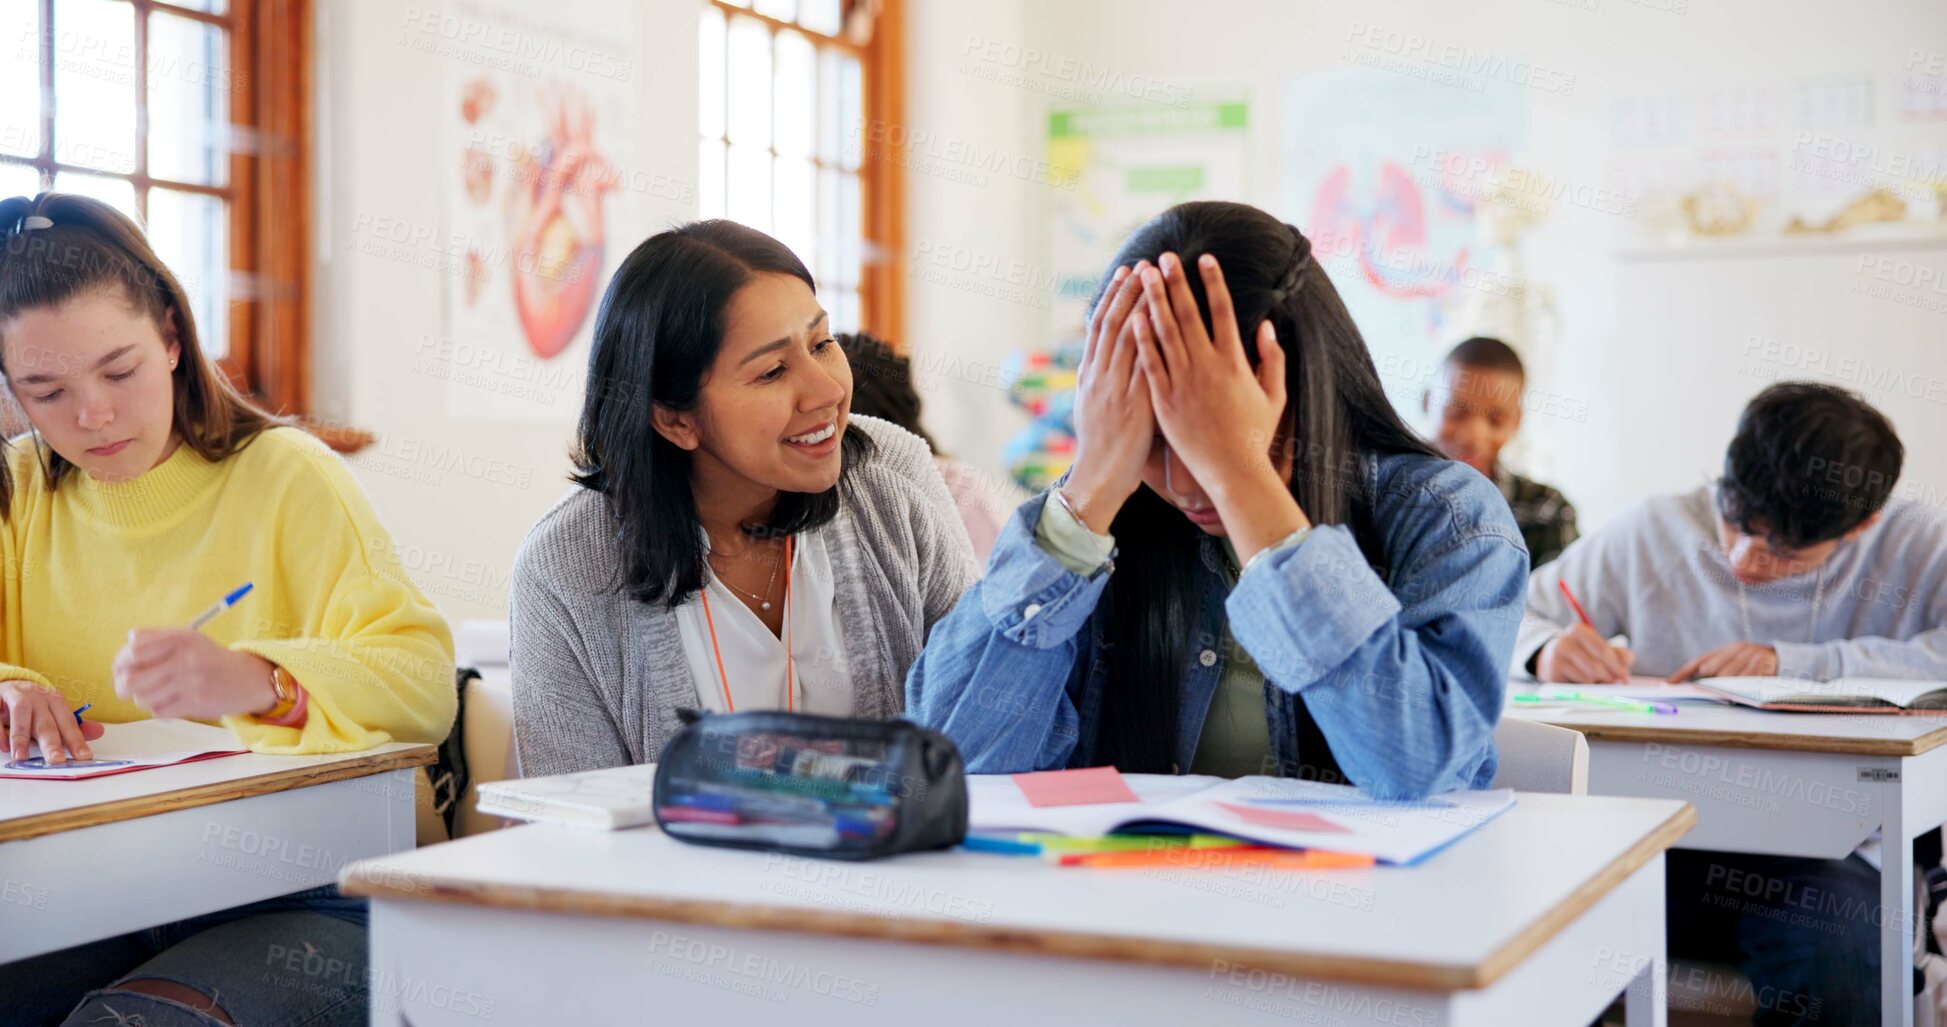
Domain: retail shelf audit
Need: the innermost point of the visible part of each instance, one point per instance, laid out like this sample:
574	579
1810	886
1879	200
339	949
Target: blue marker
219	606
1003	846
85	707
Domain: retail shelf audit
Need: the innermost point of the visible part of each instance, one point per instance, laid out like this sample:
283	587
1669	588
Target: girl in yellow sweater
148	488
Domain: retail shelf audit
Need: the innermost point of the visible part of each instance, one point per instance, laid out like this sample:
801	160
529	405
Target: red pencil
1579	612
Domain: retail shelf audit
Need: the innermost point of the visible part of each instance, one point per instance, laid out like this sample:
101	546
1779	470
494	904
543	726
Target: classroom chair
487	724
1541	758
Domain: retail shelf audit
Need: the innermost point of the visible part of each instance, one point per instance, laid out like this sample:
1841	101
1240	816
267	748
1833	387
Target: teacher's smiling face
95	376
773	407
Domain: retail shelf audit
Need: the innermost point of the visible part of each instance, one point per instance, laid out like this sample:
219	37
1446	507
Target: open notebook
1840	695
1265	810
612	798
139	745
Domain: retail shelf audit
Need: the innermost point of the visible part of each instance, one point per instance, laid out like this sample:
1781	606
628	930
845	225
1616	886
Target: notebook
1840	695
139	745
1264	810
612	798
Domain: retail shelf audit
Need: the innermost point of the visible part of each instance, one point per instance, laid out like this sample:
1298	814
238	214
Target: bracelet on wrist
286	690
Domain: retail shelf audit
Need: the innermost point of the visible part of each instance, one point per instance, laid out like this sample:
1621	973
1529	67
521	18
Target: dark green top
1546	519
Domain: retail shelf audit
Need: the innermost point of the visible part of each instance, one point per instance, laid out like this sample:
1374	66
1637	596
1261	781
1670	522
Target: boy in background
1799	562
1479	414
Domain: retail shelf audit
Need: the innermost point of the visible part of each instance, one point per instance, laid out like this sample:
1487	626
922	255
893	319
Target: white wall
458	497
1651	347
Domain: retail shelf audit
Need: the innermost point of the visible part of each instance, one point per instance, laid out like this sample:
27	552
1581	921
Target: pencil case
828	787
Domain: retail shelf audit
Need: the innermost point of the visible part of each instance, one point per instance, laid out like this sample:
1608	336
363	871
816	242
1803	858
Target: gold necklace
763	601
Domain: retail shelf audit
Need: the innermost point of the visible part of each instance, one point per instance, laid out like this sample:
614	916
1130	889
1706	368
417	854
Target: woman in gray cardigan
735	539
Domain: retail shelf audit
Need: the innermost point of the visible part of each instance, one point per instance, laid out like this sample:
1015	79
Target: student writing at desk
1799	562
148	488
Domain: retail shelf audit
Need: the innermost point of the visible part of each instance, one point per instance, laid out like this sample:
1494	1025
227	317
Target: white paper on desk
138	745
996	804
1390	832
611	798
1641	689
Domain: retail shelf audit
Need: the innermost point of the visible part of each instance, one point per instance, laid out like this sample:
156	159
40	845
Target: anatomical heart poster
540	110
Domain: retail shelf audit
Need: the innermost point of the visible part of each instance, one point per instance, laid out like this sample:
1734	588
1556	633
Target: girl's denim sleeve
1406	681
995	672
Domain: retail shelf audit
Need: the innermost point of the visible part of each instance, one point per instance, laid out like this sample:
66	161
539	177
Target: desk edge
1579	901
136	807
363	880
1751	740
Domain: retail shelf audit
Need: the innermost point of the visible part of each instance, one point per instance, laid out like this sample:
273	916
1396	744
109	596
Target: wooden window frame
268	190
882	185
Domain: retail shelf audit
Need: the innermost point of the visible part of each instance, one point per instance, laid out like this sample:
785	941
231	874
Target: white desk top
1460	919
1741	727
32	808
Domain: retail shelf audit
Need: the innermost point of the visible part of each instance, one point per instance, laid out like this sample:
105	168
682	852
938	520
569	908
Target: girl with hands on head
1253	566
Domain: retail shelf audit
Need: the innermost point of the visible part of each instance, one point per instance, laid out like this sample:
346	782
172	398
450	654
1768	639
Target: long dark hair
55	247
1336	415
882	383
656	335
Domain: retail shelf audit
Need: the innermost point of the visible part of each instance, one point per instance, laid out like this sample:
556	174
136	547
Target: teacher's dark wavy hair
1336	416
657	334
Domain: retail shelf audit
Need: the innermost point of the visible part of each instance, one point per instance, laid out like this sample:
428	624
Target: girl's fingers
1092	340
1153	367
1223	314
1121	360
1183	303
1162	325
1270	358
71	734
1126	299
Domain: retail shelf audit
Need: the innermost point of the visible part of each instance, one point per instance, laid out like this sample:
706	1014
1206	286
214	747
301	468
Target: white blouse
754	659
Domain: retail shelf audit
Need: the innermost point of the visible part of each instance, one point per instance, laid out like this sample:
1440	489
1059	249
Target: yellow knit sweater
88	562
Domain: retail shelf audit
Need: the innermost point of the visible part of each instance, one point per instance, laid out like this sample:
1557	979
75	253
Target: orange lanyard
789	662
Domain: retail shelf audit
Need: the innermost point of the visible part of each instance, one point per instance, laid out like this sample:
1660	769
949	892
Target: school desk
1544	915
1785	784
86	860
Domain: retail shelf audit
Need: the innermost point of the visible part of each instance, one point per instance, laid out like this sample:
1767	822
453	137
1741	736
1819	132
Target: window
189	116
788	92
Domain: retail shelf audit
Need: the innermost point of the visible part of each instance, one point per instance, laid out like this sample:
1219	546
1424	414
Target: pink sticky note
1075	787
1285	819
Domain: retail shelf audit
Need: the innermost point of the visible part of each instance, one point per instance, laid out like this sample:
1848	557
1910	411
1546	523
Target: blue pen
219	606
85	707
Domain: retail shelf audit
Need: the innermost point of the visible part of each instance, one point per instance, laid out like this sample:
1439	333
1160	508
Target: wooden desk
86	860
1555	905
1786	784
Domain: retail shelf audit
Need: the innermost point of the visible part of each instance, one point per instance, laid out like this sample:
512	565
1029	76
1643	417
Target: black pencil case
830	787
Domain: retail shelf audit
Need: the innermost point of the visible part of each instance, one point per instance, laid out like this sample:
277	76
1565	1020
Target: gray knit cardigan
599	676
